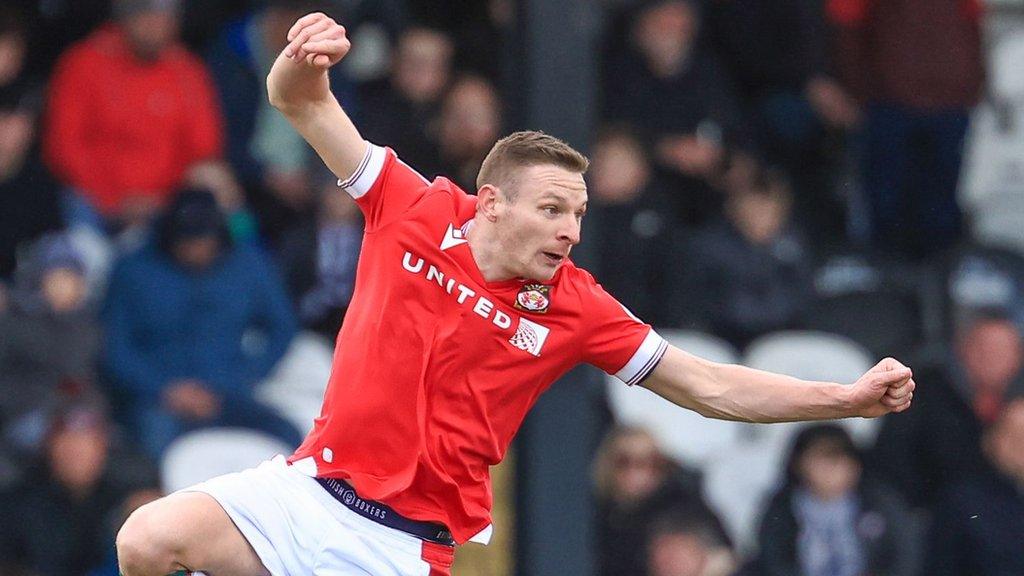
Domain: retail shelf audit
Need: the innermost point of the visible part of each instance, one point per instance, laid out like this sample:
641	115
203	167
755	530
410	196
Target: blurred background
803	186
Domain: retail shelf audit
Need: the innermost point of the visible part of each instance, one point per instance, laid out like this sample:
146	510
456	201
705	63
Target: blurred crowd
758	166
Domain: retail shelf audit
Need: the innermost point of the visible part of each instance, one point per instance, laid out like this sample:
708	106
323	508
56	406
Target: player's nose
570	231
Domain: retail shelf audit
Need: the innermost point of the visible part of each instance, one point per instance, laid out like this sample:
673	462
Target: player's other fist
317	40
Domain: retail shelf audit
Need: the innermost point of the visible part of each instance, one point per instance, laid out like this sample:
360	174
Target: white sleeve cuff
644	360
360	182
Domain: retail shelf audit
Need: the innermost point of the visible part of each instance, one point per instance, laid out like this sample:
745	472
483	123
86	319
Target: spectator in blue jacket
193	322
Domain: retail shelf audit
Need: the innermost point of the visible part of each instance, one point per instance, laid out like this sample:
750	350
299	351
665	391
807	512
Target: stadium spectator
683	545
627	222
318	261
14	37
917	67
677	95
749	272
470	122
29	195
979	528
406	105
62	520
634	482
270	159
49	347
193	321
940	441
780	52
826	521
478	29
130	111
53	26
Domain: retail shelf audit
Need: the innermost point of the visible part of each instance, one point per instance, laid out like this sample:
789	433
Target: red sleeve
616	341
66	138
204	125
384	187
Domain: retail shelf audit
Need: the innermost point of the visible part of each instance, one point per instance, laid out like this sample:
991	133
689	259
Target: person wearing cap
130	113
49	342
193	321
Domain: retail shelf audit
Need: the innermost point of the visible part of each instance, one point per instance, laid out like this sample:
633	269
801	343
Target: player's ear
488	200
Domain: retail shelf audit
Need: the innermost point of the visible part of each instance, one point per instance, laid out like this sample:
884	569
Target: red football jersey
435	368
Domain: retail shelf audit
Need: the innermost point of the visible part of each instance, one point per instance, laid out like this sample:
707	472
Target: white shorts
297	528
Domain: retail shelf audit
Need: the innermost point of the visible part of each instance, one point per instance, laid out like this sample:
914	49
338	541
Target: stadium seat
979	277
739	479
997	219
873	302
737	487
885	322
684	435
818	356
296	387
201	455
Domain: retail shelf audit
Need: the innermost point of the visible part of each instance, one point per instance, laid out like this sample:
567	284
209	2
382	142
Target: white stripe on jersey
644	360
360	182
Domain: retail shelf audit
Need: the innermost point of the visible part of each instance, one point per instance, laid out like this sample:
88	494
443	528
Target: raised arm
298	86
731	392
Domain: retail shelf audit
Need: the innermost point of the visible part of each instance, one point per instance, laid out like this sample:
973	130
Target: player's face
543	223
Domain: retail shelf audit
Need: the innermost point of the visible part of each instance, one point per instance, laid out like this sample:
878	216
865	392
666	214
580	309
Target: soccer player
466	308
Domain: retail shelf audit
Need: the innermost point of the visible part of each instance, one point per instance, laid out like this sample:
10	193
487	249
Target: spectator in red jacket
131	113
917	66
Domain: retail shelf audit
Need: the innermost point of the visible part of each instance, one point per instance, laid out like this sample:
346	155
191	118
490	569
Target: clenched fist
888	387
317	40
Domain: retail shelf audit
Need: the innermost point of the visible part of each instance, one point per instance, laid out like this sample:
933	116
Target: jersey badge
534	298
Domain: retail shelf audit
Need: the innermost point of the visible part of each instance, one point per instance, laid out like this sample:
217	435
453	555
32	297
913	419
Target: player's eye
550	210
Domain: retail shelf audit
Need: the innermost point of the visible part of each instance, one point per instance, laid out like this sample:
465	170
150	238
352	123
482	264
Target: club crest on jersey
534	298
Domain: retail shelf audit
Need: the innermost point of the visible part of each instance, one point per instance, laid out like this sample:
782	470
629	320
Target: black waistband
384	515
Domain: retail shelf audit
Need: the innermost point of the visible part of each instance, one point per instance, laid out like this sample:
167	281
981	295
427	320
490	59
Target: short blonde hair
524	149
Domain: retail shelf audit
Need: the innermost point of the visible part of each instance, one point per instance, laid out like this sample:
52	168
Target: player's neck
487	252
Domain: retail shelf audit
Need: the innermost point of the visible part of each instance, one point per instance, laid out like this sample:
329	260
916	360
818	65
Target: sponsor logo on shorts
367	508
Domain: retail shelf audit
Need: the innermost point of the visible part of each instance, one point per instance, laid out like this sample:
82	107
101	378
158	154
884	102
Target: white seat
810	355
743	476
817	356
737	486
296	386
198	456
999	221
684	435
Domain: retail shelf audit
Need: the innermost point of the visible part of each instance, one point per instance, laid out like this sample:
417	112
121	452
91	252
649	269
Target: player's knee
143	549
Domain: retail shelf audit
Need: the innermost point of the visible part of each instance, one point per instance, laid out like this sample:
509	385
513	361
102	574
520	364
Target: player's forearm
731	392
302	93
